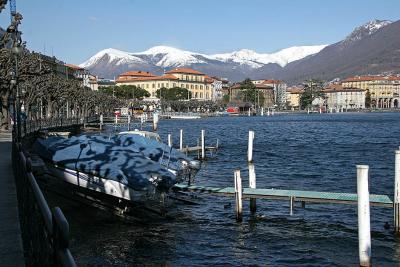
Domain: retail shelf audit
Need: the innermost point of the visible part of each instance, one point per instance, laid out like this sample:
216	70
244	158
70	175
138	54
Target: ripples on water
313	152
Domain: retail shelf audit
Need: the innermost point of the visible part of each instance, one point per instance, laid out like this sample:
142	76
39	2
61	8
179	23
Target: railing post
155	121
364	227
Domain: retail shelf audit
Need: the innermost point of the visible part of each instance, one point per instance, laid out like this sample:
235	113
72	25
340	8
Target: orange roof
208	79
75	67
184	71
258	86
138	73
363	78
271	82
339	88
152	78
295	90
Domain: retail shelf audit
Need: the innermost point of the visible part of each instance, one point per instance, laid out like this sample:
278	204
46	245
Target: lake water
306	152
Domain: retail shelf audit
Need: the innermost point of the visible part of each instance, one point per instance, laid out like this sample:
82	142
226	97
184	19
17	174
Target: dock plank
299	195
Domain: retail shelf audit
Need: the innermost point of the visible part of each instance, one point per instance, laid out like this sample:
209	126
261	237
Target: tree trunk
4	112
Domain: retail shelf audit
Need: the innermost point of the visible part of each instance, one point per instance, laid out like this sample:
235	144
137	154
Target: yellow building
293	97
384	90
195	81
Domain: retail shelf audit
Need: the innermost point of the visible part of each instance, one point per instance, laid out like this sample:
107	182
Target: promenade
11	249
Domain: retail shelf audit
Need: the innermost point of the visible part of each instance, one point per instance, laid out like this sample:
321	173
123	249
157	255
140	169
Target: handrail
45	233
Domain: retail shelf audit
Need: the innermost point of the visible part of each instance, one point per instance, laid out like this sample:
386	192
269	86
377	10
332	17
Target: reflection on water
315	152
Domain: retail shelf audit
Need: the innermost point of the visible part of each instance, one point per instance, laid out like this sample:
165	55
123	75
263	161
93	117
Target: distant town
350	94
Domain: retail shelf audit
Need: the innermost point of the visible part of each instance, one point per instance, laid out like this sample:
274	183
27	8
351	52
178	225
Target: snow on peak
282	57
170	56
167	57
367	29
114	55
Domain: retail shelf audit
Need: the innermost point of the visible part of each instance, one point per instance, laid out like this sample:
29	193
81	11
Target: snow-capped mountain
366	30
370	48
169	57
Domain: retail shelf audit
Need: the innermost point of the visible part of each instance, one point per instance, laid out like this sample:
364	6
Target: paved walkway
11	251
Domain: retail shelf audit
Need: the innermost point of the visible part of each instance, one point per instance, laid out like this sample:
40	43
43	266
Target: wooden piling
238	196
116	119
250	147
101	122
262	111
169	140
396	198
291	205
203	145
155	121
364	226
252	184
181	139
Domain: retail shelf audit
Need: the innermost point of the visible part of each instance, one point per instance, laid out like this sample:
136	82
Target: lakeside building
339	98
293	97
194	81
235	95
279	88
384	90
79	73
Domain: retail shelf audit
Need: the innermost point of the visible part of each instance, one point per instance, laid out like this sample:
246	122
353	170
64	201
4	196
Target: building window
158	85
192	87
201	95
187	86
162	85
154	85
195	87
147	86
206	95
195	95
173	85
201	87
167	85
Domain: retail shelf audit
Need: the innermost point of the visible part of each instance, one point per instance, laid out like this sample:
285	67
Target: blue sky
75	30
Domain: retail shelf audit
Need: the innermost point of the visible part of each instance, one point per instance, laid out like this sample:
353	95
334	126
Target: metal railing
45	232
30	126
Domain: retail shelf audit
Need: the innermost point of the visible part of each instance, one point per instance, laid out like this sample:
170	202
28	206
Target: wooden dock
282	194
11	250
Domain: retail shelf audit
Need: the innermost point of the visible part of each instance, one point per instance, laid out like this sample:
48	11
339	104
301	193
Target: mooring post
169	140
238	195
101	122
198	148
217	145
116	119
129	122
181	139
364	226
203	146
155	121
262	111
291	205
250	147
396	198
252	184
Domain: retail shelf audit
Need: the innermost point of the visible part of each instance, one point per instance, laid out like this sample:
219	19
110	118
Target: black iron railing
45	232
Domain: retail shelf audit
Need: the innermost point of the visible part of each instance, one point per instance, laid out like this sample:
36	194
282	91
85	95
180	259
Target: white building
339	98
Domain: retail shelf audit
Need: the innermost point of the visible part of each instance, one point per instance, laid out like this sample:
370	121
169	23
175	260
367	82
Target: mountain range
371	48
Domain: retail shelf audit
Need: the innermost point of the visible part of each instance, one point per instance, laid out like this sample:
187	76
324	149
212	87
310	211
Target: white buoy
181	139
252	184
238	196
364	225
203	146
250	147
169	140
396	199
155	121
